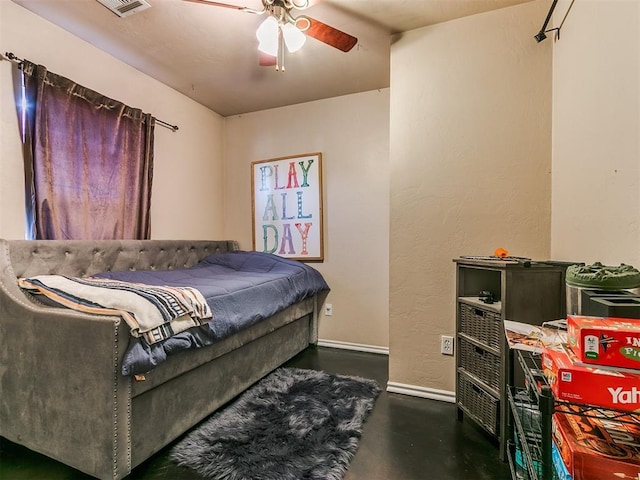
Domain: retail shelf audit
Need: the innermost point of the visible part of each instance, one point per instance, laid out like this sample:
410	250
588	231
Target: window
88	160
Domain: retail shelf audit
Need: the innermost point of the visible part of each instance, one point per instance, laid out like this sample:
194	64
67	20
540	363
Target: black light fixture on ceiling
542	34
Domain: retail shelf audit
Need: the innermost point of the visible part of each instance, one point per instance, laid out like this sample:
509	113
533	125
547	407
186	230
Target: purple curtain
88	161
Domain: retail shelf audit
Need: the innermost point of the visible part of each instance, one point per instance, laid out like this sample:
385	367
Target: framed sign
286	202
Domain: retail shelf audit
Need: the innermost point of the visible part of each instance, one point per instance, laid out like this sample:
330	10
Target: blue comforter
241	288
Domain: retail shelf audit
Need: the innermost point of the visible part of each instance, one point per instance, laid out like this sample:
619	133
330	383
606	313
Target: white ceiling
210	53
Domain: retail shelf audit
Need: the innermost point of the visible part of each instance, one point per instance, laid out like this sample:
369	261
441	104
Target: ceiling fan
281	29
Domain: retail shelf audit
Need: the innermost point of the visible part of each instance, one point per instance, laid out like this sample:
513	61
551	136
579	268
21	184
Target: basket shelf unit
529	292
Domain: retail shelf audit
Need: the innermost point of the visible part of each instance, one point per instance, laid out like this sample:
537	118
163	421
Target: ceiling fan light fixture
293	37
267	35
269	48
282	31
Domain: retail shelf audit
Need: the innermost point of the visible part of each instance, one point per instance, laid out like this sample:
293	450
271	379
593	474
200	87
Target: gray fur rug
294	424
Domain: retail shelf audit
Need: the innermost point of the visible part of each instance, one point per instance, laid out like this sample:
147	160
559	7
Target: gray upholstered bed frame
61	390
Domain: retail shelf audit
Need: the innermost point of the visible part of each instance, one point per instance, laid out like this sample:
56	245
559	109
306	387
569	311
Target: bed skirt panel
164	413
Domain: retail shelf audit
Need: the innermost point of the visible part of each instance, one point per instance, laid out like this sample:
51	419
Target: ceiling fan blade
225	5
329	35
267	60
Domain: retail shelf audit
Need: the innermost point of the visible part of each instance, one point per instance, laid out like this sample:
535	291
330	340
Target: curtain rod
174	128
162	123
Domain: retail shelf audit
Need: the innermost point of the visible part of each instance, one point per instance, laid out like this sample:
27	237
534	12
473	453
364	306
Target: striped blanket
154	313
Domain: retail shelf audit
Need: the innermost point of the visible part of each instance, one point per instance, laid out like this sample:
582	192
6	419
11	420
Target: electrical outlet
328	309
446	345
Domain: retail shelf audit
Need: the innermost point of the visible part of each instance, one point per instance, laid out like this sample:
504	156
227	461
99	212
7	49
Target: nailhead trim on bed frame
80	257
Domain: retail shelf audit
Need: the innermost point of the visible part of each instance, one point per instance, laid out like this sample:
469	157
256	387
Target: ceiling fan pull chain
280	54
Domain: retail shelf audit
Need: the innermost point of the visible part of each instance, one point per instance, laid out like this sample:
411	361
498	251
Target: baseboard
358	347
422	392
393	387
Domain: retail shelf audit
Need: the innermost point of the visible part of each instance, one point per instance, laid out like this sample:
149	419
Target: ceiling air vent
124	8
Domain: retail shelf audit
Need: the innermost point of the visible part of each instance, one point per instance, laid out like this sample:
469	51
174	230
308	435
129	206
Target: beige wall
188	163
189	176
352	132
470	159
596	131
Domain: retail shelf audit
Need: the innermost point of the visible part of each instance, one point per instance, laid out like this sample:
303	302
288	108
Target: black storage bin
626	306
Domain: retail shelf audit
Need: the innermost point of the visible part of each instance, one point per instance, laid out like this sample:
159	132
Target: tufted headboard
84	257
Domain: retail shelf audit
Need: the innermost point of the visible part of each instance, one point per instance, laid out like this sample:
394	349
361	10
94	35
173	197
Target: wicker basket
480	405
483	325
480	363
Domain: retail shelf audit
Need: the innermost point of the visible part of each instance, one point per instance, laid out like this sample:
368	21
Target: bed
79	387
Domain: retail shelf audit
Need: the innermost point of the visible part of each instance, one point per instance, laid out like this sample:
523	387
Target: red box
598	448
605	388
613	342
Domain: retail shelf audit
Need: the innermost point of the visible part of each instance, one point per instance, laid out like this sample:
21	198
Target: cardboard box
590	385
599	448
558	464
613	342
